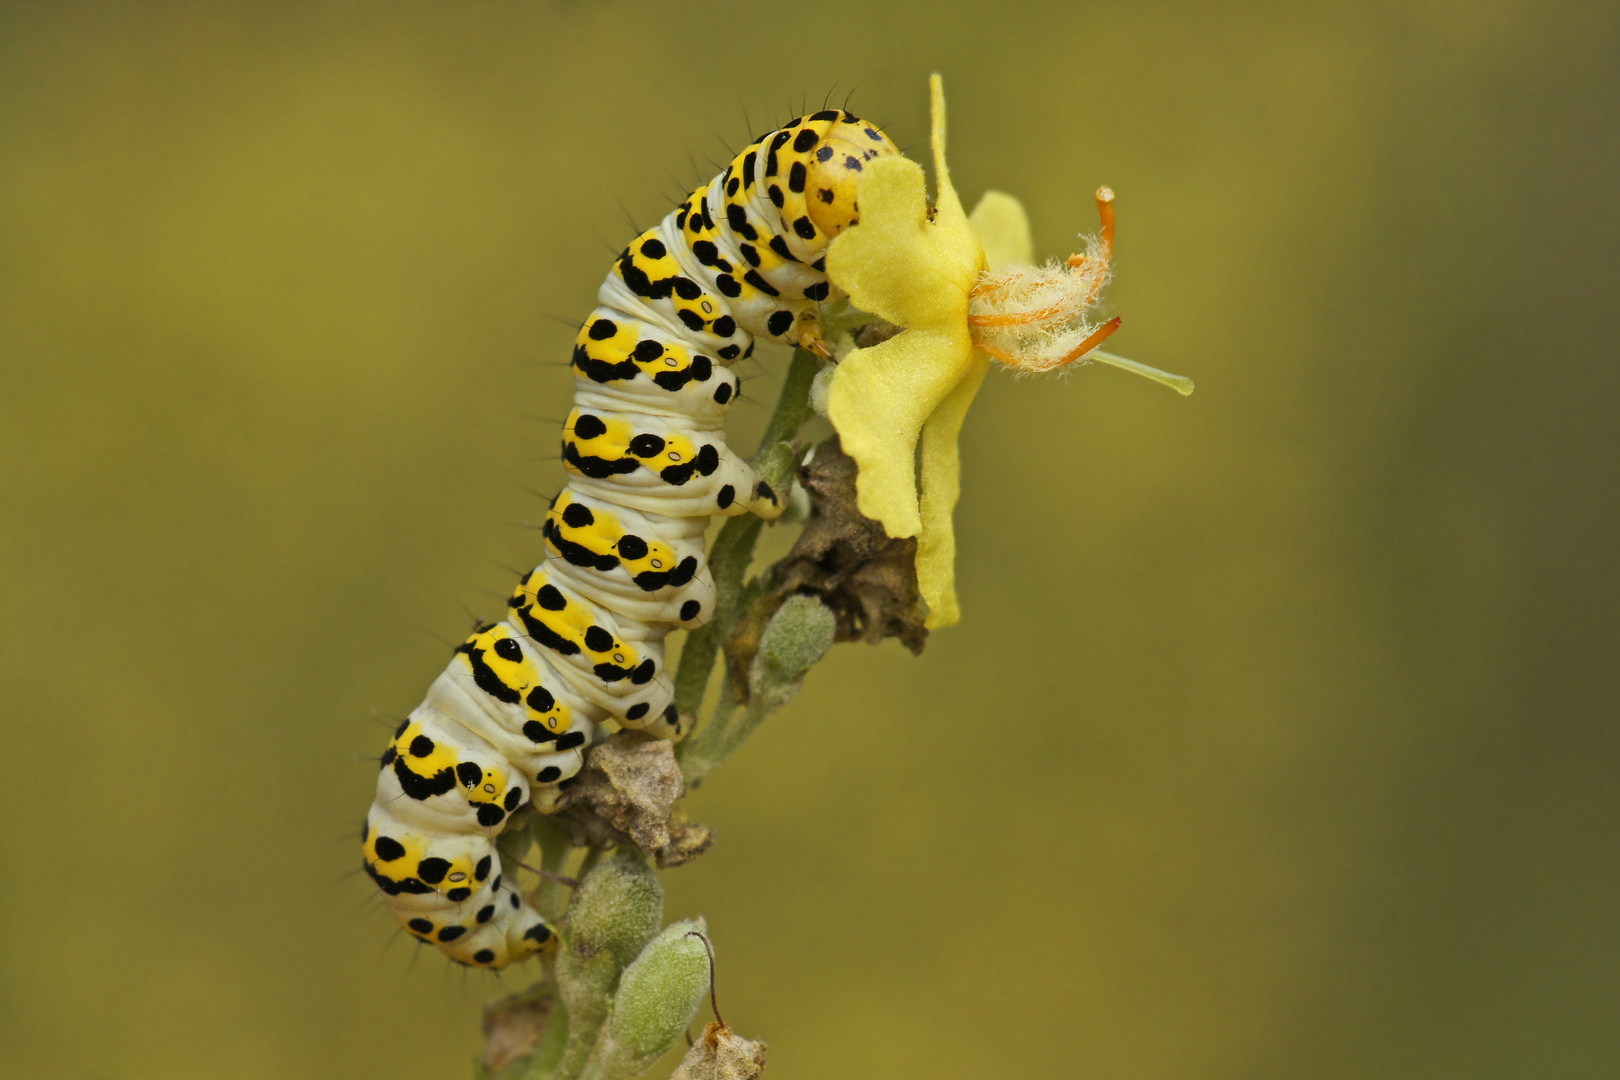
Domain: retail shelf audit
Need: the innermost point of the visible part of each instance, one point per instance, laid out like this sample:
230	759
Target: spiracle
583	642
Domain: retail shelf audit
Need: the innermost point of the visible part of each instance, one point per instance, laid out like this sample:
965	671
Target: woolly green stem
554	850
739	725
592	857
710	745
798	635
548	1052
734	548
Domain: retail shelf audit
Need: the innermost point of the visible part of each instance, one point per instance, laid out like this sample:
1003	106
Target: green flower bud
661	990
796	638
658	996
618	909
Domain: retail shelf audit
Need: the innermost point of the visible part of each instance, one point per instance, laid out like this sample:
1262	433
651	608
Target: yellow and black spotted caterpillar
741	259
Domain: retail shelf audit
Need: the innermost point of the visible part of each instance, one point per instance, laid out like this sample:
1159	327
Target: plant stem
554	851
735	732
592	857
734	548
548	1052
702	752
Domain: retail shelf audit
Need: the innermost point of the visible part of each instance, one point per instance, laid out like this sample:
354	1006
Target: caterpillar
740	260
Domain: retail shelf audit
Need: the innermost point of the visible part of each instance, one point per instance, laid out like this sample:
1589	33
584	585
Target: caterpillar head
835	166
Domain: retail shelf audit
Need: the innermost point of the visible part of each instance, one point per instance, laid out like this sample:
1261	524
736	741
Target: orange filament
1105	212
995	353
1015	320
1097	338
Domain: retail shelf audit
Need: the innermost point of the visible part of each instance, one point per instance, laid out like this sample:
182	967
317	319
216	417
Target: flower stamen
1034	318
1097	338
1105	213
1017	319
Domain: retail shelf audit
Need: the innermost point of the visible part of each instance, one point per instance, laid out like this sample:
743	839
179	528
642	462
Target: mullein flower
962	291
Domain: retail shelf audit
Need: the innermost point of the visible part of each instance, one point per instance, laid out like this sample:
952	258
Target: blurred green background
1279	737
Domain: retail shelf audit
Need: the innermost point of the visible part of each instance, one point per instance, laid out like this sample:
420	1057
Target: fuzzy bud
658	995
618	909
797	637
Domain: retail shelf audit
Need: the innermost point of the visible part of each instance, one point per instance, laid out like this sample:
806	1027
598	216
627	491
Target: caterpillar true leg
742	258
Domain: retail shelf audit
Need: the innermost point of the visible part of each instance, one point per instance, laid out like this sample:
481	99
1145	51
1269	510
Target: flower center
1034	317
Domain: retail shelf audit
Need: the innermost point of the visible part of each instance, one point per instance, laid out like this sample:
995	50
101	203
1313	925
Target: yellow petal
891	264
916	272
940	475
1002	227
880	399
955	240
